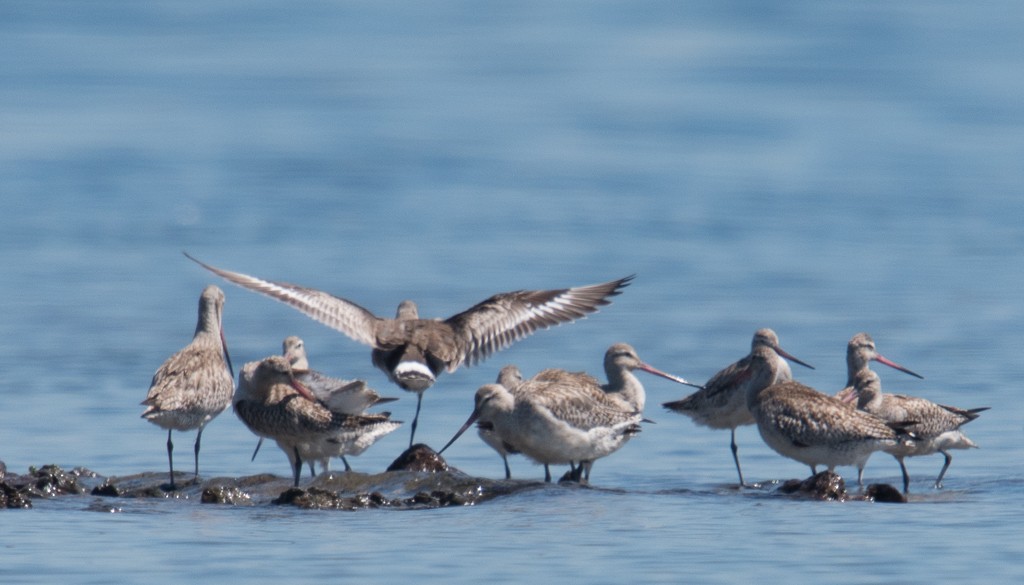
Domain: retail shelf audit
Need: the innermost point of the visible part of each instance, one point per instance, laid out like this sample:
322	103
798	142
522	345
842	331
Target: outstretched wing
335	312
497	322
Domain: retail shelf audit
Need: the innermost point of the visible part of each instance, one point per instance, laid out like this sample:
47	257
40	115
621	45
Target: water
816	167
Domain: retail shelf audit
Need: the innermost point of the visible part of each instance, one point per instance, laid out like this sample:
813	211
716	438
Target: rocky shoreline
418	479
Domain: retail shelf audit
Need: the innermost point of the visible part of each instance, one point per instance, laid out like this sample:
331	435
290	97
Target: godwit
343	396
560	425
194	385
722	403
414	351
560	417
935	428
509	377
816	429
860	351
273	404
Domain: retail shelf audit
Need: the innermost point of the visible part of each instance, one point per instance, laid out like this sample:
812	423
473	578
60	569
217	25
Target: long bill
469	422
883	360
791	358
227	356
652	370
301	389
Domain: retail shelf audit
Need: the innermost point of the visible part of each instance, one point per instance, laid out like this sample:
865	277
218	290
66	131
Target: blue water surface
821	168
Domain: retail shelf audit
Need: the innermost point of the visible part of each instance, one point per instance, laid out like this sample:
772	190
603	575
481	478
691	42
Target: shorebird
860	351
557	426
344	396
510	377
936	427
813	428
722	403
560	417
414	351
272	403
194	385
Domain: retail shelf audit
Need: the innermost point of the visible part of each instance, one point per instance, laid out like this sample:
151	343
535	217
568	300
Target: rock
419	457
10	497
826	486
883	492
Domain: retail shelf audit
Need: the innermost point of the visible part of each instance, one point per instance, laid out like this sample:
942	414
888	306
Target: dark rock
883	492
826	486
223	494
419	457
11	497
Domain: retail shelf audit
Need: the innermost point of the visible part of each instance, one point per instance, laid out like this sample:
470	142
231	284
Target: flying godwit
273	404
722	403
414	351
936	427
343	396
814	428
194	385
560	417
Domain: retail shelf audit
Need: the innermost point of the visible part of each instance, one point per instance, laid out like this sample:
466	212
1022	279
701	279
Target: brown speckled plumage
272	404
195	384
935	428
722	403
560	417
816	429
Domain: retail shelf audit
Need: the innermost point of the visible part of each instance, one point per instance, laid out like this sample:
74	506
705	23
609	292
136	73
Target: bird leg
199	437
736	458
906	476
945	466
170	458
416	418
297	472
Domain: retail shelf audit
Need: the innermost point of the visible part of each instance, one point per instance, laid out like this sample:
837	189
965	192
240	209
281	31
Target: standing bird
414	351
510	377
560	417
560	425
344	396
272	403
860	351
722	403
813	428
935	427
194	385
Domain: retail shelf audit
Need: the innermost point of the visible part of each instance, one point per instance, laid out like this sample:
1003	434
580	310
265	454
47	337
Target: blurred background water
821	168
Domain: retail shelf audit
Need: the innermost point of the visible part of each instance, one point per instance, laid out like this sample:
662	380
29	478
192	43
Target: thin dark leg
736	458
945	466
199	437
257	450
170	458
547	473
416	419
508	472
906	476
345	461
312	469
297	472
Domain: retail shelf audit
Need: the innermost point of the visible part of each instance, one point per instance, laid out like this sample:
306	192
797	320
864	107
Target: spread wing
335	312
505	318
